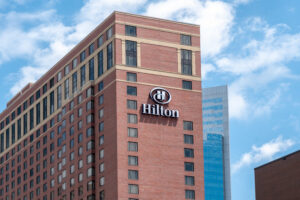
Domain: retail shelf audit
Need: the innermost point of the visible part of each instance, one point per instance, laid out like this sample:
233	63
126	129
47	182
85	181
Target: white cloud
215	19
206	68
265	152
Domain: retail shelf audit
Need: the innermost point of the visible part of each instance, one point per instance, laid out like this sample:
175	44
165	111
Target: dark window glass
131	77
82	56
74	82
187	125
38	113
101	99
25	105
109	56
131	58
31	100
19	128
19	110
109	33
186	62
31	119
13	133
189	180
185	39
44	88
7	138
188	153
133	174
59	96
74	63
51	82
189	166
13	115
133	146
130	30
25	123
131	90
7	120
45	108
100	40
51	102
188	139
91	48
91	69
82	75
189	194
100	63
100	86
37	94
187	85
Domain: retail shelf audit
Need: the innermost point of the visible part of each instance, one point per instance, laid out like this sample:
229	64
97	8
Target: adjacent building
116	118
216	143
279	179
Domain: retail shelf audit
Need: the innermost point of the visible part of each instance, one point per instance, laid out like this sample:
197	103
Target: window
187	125
31	120
109	56
82	75
80	164
101	154
37	94
31	100
131	77
79	98
100	63
188	153
89	118
45	108
90	92
101	99
133	146
90	131
189	180
90	158
133	160
91	69
101	112
131	55
187	85
38	113
132	118
24	106
59	96
130	30
67	70
188	139
91	186
79	112
51	82
189	166
80	177
189	194
102	180
133	174
101	140
109	33
51	102
131	90
185	39
133	189
131	104
74	63
44	88
186	62
74	82
66	88
59	76
91	48
100	40
82	56
90	105
101	167
100	86
25	123
91	172
133	132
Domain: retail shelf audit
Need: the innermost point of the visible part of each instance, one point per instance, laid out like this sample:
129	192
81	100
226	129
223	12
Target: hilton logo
159	96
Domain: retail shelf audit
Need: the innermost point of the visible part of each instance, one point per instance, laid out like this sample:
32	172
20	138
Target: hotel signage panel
161	97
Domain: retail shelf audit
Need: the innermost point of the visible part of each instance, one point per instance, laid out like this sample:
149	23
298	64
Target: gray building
216	143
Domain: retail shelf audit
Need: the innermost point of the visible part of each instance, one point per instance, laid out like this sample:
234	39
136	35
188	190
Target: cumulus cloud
265	152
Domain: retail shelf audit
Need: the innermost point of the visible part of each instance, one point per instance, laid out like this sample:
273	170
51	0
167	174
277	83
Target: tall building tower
216	143
116	118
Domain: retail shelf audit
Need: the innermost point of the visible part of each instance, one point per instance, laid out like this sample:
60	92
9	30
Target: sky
253	46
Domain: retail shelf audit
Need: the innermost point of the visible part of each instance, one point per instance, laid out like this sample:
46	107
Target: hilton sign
161	97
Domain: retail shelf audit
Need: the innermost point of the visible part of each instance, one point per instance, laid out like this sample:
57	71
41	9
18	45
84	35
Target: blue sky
251	45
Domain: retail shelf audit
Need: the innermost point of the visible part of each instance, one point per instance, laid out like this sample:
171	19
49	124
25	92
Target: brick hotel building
88	129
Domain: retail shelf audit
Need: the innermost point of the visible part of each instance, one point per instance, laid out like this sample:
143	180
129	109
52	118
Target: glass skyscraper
216	143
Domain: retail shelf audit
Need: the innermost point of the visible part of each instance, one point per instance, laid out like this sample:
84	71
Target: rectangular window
13	133
133	175
38	113
2	142
189	166
133	146
187	85
131	104
18	110
37	94
100	63
66	88
133	132
82	75
59	76
82	56
186	62
51	82
7	136
109	56
59	97
44	88
51	102
74	63
67	70
74	82
91	49
131	77
109	33
45	108
101	99
187	125
189	180
100	40
131	90
24	123
133	189
13	115
185	40
188	139
91	69
25	105
188	153
19	128
131	53
189	194
130	30
100	86
31	100
133	160
31	119
132	118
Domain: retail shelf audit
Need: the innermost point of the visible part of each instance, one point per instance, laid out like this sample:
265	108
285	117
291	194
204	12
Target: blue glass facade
216	144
